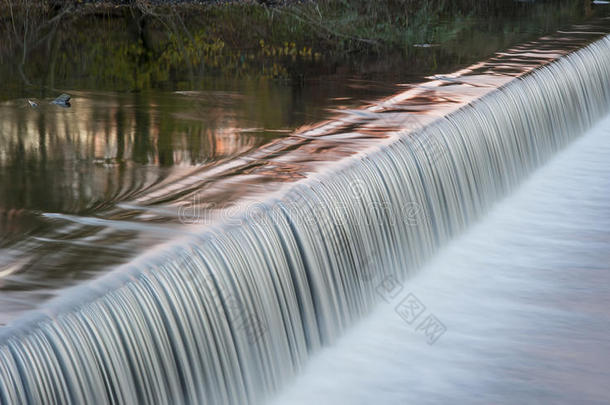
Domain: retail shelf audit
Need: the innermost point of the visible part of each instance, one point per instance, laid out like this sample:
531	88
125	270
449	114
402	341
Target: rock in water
63	100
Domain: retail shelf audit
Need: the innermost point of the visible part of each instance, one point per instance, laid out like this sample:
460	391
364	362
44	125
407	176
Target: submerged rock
63	100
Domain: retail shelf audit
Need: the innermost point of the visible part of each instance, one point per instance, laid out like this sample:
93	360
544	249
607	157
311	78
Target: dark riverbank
144	44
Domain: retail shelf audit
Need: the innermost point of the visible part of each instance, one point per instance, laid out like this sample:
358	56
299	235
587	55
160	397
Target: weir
230	314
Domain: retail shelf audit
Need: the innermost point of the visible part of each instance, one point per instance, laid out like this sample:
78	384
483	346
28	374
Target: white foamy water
524	297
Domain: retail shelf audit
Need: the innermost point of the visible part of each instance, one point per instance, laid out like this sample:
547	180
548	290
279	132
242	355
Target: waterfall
226	317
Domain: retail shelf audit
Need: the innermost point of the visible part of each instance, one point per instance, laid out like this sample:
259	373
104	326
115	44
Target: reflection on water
85	188
108	146
65	171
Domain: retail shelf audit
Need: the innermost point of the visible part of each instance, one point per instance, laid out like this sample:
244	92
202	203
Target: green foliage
133	48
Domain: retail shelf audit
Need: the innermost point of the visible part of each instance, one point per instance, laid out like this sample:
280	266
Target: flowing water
63	171
522	298
198	239
88	188
233	310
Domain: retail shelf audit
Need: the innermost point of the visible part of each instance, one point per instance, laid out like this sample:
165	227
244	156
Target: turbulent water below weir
523	297
231	313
